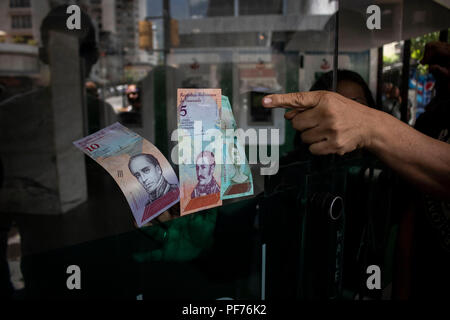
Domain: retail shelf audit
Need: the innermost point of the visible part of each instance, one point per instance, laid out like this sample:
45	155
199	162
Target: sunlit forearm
422	160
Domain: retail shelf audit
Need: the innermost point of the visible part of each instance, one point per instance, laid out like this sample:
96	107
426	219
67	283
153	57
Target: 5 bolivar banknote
212	161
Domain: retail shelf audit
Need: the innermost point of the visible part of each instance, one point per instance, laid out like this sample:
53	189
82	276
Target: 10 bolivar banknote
144	175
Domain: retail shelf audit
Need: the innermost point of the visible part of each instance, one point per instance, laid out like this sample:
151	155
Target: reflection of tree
418	44
418	48
417	51
389	60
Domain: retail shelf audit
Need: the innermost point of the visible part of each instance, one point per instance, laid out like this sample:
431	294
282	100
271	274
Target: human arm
331	123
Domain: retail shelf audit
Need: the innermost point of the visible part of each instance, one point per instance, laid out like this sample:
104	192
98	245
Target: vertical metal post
336	50
335	60
405	80
379	96
263	272
166	26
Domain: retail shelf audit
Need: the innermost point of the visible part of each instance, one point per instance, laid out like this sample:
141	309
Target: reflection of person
28	129
238	164
205	166
392	100
148	172
131	115
133	98
6	287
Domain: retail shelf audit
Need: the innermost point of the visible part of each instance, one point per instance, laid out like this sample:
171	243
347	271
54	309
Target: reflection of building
20	20
18	59
94	9
254	23
117	22
121	18
248	48
19	68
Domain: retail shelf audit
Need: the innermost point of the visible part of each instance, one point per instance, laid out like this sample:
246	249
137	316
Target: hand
329	122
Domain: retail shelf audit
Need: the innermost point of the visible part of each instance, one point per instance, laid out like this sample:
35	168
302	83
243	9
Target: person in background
432	221
6	288
391	99
134	98
31	114
131	115
351	85
333	124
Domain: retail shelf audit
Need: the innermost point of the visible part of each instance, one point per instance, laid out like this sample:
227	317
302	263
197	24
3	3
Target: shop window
21	22
256	7
19	3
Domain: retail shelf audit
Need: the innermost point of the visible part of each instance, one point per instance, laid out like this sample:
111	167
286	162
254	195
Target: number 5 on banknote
143	174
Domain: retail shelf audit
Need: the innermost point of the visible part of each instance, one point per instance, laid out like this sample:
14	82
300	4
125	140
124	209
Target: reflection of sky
179	9
154	7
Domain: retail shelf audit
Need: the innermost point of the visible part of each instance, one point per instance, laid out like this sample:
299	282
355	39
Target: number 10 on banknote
142	172
200	158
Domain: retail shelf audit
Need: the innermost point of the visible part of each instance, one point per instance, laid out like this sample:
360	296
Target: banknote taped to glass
237	178
200	159
144	175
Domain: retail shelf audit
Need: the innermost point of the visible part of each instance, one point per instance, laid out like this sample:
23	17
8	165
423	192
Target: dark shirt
431	256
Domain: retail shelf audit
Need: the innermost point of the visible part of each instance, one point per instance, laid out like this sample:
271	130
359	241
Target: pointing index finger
296	100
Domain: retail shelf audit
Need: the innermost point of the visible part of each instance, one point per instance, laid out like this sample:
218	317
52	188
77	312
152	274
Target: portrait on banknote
201	183
199	112
238	162
236	172
237	178
206	184
148	172
143	174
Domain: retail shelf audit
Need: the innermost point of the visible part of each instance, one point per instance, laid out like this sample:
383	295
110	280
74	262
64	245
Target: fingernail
267	101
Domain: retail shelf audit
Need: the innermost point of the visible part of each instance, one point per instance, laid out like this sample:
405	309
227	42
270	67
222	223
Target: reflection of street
116	102
125	99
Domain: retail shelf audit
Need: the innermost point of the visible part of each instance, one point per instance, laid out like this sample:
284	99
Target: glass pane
380	68
124	64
